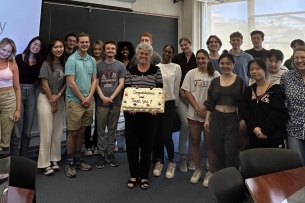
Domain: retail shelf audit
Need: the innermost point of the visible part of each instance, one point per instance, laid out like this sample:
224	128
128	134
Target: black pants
225	134
140	130
164	132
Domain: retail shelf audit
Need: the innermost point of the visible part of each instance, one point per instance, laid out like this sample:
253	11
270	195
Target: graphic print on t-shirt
201	83
108	78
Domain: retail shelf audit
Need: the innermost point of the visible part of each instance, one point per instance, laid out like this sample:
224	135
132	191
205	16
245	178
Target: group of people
238	99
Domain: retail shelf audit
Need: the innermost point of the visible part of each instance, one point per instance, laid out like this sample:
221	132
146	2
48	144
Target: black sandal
144	185
133	182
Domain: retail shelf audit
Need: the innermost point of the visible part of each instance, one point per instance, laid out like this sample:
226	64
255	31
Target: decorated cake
143	99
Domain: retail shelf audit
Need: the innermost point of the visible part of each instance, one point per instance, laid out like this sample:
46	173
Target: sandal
131	182
144	185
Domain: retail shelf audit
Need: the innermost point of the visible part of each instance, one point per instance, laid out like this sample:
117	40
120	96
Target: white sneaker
116	149
183	165
206	179
207	166
54	165
196	176
191	165
88	152
170	172
95	151
158	169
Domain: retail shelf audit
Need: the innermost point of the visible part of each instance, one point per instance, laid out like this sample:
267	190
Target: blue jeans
297	145
22	129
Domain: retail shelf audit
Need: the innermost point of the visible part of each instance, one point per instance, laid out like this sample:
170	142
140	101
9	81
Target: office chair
227	186
23	173
262	161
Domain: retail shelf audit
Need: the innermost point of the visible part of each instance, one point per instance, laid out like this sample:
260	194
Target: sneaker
95	151
124	147
82	166
158	169
101	162
88	152
207	166
183	166
111	159
48	171
54	165
116	149
206	179
196	176
191	165
70	170
170	172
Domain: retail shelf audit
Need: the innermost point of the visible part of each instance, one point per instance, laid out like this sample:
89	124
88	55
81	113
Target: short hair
5	41
69	35
110	42
226	54
210	67
171	46
237	35
145	46
217	39
257	32
262	64
301	42
146	34
98	42
187	39
82	34
275	52
121	45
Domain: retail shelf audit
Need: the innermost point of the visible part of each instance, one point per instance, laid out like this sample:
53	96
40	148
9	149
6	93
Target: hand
207	125
54	99
153	113
54	108
86	102
261	136
132	112
16	115
257	130
107	101
201	111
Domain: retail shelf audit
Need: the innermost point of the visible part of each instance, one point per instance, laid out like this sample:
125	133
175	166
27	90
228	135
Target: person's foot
131	183
70	170
170	172
196	176
206	179
191	165
101	162
95	151
116	149
158	169
88	152
144	184
111	159
82	166
54	165
47	171
183	165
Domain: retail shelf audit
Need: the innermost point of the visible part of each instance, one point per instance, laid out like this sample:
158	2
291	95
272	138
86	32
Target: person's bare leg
71	141
195	135
80	138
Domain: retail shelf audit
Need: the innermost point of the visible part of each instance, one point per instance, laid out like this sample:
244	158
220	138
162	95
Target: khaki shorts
78	116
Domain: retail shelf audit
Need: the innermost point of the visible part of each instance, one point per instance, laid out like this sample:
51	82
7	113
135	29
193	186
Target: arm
118	89
210	102
159	80
106	100
87	100
72	85
245	110
17	90
177	84
207	121
200	110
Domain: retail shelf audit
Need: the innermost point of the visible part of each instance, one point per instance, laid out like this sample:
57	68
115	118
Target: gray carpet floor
110	185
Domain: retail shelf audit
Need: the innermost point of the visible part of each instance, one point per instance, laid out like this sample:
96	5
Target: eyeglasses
298	58
70	40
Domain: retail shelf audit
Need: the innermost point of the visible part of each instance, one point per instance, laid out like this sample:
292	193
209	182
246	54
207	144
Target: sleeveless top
6	77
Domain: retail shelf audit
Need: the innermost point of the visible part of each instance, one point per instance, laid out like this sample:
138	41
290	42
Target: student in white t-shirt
195	85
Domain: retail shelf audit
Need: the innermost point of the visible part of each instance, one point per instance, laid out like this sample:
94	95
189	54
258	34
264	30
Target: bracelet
59	94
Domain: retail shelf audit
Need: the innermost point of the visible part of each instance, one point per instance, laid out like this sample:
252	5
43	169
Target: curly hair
130	48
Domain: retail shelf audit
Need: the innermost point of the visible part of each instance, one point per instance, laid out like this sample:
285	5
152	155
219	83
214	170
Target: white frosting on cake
143	99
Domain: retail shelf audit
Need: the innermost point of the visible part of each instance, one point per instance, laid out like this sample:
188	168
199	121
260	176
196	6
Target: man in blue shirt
80	71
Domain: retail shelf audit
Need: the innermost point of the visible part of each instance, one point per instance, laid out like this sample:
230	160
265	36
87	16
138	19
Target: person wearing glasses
293	86
70	44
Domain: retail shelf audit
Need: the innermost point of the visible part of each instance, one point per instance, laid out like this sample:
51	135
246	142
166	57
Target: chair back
227	186
262	161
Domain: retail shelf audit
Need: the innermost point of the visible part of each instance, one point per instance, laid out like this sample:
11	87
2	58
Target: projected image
20	21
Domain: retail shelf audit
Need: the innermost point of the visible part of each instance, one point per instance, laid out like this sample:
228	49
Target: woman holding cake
195	86
140	127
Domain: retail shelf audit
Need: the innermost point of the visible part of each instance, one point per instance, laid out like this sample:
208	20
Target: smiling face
97	50
273	65
125	52
83	44
256	72
185	46
299	60
57	49
71	42
236	42
143	56
110	50
226	66
213	44
6	51
202	60
35	46
167	54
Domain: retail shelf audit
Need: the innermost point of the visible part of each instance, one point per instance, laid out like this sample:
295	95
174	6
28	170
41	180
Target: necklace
228	80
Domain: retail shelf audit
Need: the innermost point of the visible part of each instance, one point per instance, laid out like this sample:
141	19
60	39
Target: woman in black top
29	63
125	52
263	109
187	61
140	128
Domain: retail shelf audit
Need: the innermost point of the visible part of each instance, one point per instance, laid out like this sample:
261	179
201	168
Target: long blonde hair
5	41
